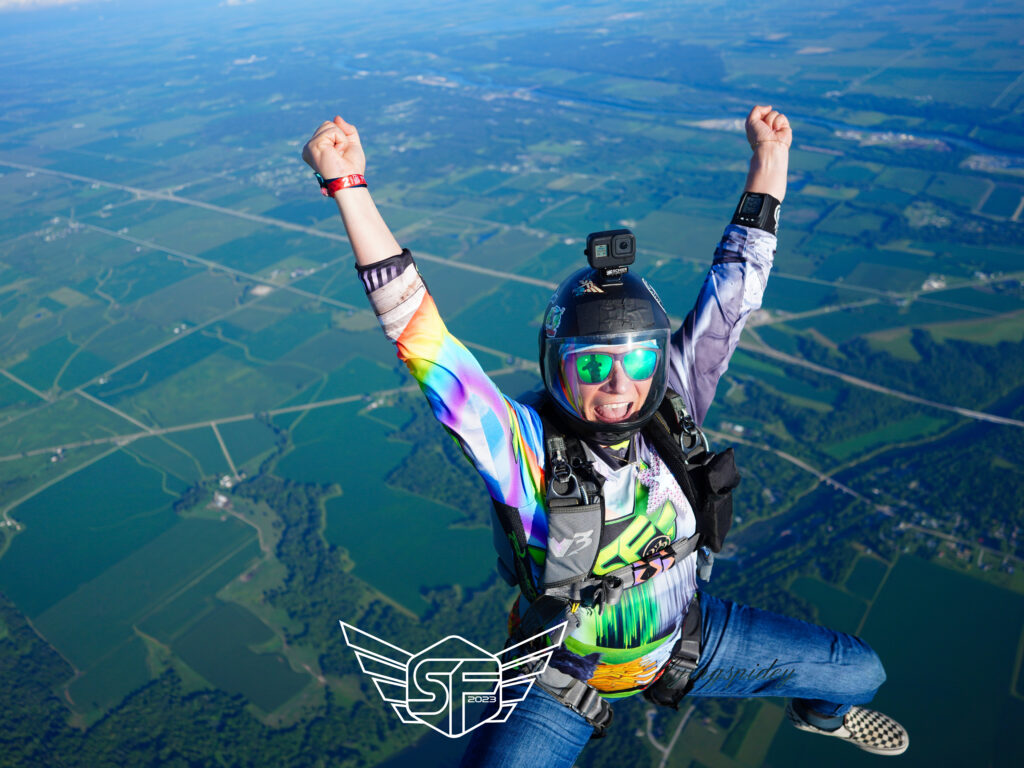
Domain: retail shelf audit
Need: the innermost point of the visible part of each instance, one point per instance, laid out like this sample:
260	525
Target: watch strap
759	210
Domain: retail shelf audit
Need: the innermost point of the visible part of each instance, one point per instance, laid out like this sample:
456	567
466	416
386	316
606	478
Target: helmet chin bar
602	434
607	433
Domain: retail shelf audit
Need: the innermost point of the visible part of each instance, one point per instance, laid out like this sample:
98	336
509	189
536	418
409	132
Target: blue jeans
744	652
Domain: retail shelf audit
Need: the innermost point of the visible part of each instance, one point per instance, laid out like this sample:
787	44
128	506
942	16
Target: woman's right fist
334	150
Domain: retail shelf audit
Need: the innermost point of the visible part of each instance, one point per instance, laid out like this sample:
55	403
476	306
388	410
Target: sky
25	5
18	5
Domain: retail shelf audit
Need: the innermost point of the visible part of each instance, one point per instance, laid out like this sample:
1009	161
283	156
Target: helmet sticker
586	286
553	320
654	293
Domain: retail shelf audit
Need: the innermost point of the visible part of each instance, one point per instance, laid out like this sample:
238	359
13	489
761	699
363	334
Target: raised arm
499	436
335	151
735	284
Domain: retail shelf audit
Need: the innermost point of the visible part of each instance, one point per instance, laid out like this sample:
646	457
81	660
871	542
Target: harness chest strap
597	592
575	507
576	515
606	590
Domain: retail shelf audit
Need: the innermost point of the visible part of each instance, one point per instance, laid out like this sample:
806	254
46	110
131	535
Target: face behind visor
604	354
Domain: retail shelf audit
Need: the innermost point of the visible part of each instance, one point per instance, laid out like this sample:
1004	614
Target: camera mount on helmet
603	319
611	252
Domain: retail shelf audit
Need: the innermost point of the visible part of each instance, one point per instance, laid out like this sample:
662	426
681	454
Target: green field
787	383
187	605
14	396
278	339
679	281
246	440
108	682
359	377
964	191
219	647
219	385
866	577
255	252
996	299
931	701
156	367
190	230
201	444
70	420
681	233
796	295
73	534
1005	328
92	622
836	609
24	477
1003	201
850	323
194	300
897	432
59	362
164	455
370	519
506	320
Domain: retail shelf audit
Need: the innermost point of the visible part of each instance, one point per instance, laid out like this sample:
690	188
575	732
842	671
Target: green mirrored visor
596	367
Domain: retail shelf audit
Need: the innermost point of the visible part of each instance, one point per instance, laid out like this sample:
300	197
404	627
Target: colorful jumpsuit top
644	507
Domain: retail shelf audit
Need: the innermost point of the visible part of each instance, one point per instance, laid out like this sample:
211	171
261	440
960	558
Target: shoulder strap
575	513
512	527
575	506
670	421
567	470
706	478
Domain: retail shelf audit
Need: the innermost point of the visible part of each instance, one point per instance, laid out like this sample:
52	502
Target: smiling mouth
613	412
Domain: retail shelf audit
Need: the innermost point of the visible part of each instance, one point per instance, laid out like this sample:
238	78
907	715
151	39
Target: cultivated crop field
181	323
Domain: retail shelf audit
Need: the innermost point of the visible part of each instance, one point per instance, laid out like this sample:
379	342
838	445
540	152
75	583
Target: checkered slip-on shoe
871	731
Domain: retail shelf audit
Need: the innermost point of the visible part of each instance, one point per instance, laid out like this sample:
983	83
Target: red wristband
328	187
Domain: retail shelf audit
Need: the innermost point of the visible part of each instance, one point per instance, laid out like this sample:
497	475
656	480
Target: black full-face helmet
604	353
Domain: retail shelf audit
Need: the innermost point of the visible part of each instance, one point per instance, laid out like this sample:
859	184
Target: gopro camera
612	251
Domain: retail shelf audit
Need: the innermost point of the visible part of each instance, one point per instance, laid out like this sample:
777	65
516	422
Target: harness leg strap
579	697
674	682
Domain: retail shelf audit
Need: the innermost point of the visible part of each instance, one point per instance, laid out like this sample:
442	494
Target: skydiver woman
627	585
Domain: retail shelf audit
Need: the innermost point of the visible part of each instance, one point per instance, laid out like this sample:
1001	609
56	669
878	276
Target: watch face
752	205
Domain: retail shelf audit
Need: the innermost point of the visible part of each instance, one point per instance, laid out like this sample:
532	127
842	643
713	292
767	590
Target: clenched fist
766	125
335	150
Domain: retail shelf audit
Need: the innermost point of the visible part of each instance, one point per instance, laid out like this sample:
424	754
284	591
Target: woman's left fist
767	125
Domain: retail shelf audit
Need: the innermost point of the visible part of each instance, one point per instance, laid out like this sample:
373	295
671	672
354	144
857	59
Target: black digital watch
757	209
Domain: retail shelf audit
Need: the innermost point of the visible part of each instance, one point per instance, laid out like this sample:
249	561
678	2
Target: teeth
612	411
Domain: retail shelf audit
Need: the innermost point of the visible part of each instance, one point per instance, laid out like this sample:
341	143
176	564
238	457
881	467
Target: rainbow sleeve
502	438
